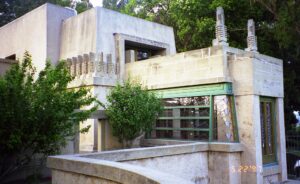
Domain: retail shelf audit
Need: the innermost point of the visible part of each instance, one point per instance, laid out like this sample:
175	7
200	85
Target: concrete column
176	124
248	118
281	147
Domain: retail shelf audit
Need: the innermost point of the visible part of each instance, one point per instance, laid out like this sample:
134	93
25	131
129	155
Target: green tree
36	116
12	9
277	29
131	111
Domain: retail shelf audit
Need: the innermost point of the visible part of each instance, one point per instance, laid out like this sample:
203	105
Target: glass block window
197	118
267	120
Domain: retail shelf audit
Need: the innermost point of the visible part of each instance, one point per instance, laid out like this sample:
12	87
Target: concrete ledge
271	170
182	147
215	80
122	172
225	147
142	153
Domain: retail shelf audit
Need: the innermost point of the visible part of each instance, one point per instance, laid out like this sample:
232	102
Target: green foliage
12	9
277	29
132	110
36	116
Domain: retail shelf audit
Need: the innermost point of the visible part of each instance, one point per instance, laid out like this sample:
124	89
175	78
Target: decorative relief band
92	64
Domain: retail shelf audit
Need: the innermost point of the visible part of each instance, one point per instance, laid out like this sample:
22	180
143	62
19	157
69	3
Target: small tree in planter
131	111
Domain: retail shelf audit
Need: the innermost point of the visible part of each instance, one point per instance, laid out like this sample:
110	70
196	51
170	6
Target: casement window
268	130
198	113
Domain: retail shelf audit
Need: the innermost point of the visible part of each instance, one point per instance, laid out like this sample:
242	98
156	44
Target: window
267	120
208	117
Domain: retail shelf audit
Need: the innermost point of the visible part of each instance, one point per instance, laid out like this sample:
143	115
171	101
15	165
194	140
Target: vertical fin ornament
251	38
221	29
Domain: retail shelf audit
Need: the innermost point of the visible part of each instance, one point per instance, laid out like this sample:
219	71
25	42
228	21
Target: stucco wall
79	35
93	31
32	32
55	16
26	33
109	22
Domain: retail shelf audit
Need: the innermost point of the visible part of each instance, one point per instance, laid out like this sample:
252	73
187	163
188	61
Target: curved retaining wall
183	164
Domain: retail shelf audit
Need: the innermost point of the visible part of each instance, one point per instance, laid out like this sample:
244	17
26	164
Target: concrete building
223	120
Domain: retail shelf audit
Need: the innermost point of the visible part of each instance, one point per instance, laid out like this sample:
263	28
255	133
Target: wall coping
184	147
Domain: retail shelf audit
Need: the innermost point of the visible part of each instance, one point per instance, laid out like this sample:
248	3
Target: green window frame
209	109
268	129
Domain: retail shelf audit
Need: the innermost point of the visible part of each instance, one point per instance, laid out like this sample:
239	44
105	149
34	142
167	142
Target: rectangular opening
135	51
267	120
11	57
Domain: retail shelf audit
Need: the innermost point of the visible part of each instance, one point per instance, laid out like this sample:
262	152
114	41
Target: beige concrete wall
93	31
37	32
248	114
196	67
55	16
87	140
74	178
255	74
268	77
26	33
222	168
195	171
200	163
109	22
78	35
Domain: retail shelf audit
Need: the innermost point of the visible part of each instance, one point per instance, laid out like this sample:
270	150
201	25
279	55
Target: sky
96	2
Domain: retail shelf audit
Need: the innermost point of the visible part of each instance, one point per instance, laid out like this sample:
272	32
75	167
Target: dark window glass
194	112
267	121
196	123
194	135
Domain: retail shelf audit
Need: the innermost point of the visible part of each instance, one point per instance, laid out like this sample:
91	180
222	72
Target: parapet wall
200	163
204	66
